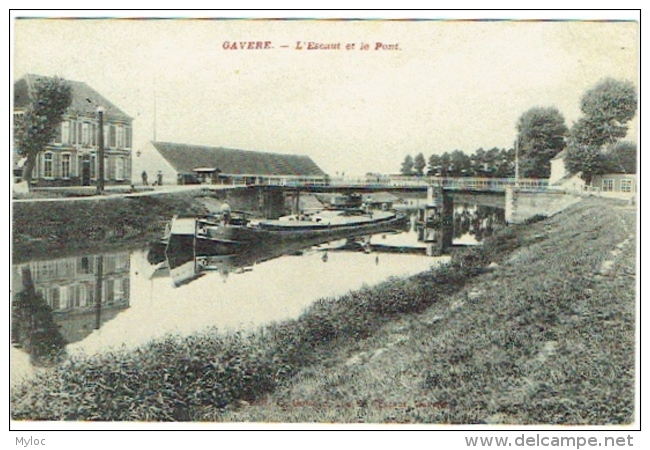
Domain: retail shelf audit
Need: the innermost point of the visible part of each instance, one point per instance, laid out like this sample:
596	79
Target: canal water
92	303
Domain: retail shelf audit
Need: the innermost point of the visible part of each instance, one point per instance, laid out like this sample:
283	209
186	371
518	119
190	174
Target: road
116	192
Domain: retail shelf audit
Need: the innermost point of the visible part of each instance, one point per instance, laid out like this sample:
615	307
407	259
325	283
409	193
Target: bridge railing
492	184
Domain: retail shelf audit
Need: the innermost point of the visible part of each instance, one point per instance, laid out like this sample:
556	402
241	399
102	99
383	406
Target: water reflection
473	223
33	328
187	264
66	299
92	303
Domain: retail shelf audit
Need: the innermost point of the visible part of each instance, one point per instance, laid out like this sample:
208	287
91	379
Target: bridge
416	183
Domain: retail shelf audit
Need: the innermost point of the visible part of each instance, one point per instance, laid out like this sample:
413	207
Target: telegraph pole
517	161
100	176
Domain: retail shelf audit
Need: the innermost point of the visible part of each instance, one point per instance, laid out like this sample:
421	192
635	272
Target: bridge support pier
523	204
438	219
270	202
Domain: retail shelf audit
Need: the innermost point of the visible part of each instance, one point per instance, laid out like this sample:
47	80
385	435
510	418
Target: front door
85	172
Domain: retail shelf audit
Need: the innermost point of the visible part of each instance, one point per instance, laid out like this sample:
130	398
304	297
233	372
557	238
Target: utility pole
517	161
100	176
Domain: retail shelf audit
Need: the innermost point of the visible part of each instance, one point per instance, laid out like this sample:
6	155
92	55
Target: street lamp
100	177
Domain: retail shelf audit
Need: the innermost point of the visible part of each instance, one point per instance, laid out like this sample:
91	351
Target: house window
608	185
112	136
55	298
109	292
57	135
85	134
73	132
120	136
626	185
106	168
119	168
65	132
127	137
94	134
48	165
65	165
106	127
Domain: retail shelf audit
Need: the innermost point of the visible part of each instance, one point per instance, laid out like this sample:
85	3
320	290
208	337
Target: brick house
71	159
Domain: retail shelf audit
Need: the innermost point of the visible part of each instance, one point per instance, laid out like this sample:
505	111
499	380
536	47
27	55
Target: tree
49	99
478	162
461	163
621	158
541	133
434	165
445	162
33	327
419	164
407	166
607	108
586	159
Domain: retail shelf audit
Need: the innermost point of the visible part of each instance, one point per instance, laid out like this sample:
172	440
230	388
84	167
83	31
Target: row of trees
593	142
495	162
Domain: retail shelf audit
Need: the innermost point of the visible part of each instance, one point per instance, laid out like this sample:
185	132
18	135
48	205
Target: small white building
621	183
561	178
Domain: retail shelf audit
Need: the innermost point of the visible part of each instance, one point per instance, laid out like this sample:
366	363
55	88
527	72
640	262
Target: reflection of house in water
83	291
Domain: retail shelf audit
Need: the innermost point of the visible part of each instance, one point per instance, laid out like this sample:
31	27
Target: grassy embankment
57	228
546	336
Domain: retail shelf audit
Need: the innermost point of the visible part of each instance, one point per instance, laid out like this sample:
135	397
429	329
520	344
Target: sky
438	86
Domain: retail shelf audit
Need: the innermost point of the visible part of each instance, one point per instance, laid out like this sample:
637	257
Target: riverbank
537	326
545	337
95	224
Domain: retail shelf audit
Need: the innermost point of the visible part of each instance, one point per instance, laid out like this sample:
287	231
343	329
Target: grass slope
545	338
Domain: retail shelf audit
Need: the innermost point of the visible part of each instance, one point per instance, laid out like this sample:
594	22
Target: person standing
160	180
225	212
145	182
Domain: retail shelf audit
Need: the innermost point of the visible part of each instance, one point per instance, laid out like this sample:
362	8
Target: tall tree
434	165
407	166
49	99
461	163
419	164
445	163
541	133
607	108
478	163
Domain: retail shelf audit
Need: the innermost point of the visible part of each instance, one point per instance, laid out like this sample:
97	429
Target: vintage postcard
325	222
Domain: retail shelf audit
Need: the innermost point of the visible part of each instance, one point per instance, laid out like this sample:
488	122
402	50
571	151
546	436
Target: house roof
567	177
618	162
84	98
560	155
184	158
